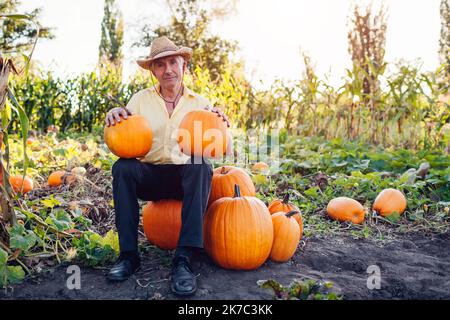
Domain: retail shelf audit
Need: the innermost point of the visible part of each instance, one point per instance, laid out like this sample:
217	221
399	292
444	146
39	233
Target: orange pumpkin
260	167
130	138
286	236
56	178
225	178
346	209
284	205
389	201
238	232
203	134
16	182
162	222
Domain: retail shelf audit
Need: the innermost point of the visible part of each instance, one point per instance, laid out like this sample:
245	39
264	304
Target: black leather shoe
184	282
124	268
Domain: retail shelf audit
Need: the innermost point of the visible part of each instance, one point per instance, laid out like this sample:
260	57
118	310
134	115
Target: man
165	172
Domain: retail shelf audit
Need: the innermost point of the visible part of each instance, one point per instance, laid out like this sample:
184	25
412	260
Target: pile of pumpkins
240	231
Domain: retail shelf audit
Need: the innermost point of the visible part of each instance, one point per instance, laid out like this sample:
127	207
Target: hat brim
185	52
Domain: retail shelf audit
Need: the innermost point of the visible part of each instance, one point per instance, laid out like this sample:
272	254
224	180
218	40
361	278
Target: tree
444	41
18	35
367	41
190	26
110	49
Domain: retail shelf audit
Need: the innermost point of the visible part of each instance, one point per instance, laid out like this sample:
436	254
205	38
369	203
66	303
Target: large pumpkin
389	201
130	138
16	181
346	209
286	236
162	222
238	232
284	205
225	178
202	133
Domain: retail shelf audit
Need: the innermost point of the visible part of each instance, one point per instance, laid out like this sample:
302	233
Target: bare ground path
414	267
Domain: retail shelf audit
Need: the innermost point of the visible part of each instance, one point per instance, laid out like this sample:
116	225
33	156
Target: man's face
169	71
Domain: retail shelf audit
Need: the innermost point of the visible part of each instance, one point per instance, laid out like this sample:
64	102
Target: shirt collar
187	91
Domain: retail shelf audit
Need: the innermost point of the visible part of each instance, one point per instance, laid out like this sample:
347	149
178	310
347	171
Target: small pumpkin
31	140
130	138
225	178
203	134
260	167
346	209
162	222
389	201
81	171
238	232
16	182
59	177
286	236
284	205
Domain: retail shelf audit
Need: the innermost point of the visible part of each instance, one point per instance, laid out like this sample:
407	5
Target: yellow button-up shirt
149	104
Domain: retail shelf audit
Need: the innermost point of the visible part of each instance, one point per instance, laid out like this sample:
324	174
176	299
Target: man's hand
219	114
114	114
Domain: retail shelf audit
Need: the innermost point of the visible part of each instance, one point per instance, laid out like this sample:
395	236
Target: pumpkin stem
286	198
237	191
223	170
291	213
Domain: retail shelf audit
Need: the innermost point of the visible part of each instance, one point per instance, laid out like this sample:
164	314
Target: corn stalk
6	112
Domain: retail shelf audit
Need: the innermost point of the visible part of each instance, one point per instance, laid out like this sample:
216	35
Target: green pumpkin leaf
50	202
111	239
393	217
312	192
22	239
60	219
3	257
15	274
260	179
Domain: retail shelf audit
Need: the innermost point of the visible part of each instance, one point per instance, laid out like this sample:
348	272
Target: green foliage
60	219
444	41
9	274
18	35
95	249
21	238
190	26
411	114
301	290
110	48
77	104
315	171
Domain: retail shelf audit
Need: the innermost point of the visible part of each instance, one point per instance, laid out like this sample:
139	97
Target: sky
270	33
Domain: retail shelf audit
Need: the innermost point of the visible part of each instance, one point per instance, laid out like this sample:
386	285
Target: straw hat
163	47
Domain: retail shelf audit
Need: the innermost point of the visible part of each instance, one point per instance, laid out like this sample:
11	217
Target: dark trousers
133	179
